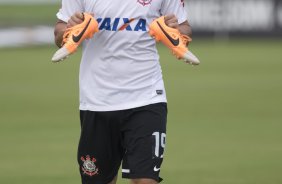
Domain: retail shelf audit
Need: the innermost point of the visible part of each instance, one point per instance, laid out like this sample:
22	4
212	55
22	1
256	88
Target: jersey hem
87	107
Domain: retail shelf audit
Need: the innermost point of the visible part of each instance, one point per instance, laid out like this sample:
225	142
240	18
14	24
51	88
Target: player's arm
61	27
184	28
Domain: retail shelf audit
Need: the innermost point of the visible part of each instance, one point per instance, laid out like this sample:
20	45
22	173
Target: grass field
224	126
28	15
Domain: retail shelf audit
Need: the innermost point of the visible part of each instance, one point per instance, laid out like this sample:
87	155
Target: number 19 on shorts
159	144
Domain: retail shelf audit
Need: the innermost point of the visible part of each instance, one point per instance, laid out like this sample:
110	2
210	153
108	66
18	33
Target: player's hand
171	21
75	19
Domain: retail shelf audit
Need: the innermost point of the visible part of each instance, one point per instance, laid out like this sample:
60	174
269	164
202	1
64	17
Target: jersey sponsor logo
120	24
89	168
144	2
78	37
175	42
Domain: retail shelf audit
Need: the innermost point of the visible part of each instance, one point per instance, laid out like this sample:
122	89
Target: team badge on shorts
144	2
89	168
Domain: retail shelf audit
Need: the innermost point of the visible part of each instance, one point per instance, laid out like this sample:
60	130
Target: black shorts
133	137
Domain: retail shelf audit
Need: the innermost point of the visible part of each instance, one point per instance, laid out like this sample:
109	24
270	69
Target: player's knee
143	181
114	181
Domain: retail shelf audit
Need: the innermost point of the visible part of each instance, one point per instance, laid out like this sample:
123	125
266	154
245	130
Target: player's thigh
143	181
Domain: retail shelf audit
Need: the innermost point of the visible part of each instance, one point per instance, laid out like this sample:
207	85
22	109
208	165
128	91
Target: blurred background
225	116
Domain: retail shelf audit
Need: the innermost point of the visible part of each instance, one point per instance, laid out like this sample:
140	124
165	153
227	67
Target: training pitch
224	123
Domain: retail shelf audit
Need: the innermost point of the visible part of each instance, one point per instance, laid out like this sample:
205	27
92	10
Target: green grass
28	15
224	124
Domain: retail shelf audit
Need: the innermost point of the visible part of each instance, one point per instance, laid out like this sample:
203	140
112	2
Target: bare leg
114	181
143	181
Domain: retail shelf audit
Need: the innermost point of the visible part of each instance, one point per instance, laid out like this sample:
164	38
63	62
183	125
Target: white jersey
120	66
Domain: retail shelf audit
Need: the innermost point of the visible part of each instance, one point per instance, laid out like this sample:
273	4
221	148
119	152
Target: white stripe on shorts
125	170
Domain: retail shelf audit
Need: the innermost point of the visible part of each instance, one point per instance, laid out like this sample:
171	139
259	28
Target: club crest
89	168
144	2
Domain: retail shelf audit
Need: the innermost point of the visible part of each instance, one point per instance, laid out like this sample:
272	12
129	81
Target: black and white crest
89	168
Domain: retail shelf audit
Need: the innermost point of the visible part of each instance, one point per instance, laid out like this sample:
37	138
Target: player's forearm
60	28
185	28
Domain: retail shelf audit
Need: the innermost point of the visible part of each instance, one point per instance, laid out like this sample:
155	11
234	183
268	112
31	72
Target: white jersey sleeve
69	7
175	7
120	66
